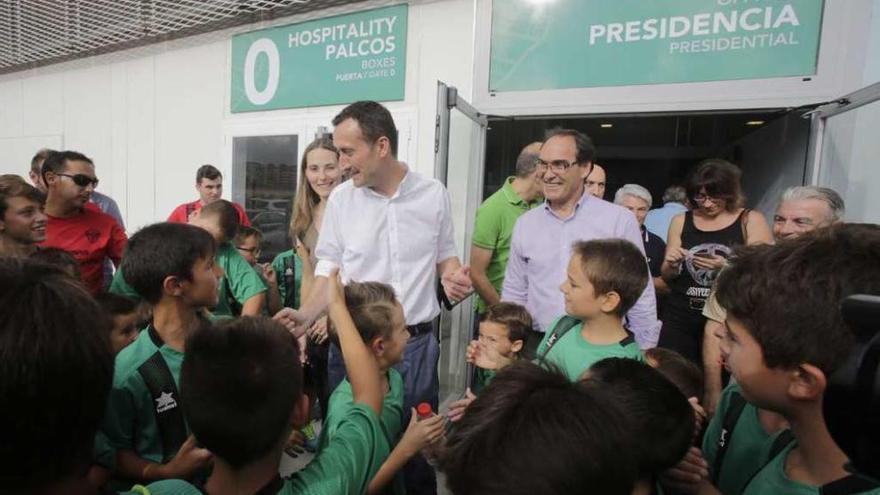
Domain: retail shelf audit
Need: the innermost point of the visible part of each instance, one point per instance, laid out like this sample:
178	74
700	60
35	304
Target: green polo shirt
130	418
288	269
574	355
493	229
340	469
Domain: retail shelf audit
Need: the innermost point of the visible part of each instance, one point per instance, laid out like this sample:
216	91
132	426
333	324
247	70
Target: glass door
459	150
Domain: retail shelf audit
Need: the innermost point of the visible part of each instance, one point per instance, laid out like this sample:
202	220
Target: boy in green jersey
605	277
785	335
242	390
55	374
173	267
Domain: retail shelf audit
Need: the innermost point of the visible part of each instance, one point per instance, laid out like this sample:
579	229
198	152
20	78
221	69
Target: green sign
556	44
328	61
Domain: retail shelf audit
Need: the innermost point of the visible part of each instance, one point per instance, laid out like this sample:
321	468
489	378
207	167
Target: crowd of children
189	377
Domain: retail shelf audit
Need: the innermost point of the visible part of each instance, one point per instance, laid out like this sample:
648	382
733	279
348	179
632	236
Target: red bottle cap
424	410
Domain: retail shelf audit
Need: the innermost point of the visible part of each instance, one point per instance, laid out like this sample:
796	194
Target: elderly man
658	219
596	181
493	227
637	199
542	238
802	209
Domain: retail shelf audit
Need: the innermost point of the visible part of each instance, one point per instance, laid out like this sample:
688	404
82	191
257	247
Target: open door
459	150
844	152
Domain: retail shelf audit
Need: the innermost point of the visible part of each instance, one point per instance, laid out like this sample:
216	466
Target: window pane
265	168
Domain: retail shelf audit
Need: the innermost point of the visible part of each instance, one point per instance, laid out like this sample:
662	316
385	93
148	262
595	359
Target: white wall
872	65
150	116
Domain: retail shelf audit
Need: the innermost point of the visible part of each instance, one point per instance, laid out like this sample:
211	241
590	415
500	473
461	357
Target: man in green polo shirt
493	227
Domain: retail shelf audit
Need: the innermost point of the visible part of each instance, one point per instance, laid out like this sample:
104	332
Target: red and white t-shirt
181	213
91	237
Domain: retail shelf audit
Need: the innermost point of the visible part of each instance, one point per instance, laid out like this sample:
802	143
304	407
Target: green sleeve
279	265
713	431
244	281
118	426
346	465
104	454
120	287
487	227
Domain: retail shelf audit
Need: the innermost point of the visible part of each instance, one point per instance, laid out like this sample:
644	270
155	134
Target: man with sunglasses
90	236
542	238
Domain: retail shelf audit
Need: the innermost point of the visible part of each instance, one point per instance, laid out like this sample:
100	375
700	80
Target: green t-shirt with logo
342	400
288	260
342	468
747	449
239	283
130	418
574	355
493	229
772	480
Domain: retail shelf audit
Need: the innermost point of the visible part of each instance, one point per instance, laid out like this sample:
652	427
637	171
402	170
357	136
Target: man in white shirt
388	224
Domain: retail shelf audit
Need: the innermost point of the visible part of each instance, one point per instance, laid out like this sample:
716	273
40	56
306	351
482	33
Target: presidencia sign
340	59
556	44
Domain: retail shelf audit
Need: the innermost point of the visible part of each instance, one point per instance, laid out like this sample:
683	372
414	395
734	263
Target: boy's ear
172	286
299	416
516	346
610	302
807	383
377	345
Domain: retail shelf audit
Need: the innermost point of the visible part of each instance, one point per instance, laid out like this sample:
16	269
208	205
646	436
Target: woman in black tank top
699	243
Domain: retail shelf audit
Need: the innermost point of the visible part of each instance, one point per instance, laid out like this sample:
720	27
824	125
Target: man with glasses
90	236
543	237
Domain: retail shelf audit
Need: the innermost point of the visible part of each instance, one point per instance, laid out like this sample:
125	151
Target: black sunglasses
81	180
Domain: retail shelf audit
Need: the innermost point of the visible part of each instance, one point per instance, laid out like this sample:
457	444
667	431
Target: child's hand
269	274
699	415
188	461
472	350
421	433
293	320
335	289
688	474
486	356
457	408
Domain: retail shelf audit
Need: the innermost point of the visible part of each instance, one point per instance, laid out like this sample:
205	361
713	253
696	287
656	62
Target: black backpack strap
235	307
169	415
731	417
782	441
562	327
289	277
849	485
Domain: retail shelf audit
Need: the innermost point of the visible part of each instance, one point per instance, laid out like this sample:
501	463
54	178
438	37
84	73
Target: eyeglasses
254	250
81	180
700	198
557	166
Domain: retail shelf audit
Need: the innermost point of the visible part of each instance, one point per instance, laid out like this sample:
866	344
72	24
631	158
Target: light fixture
606	126
755	122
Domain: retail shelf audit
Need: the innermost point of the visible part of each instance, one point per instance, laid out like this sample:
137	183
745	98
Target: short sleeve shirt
130	418
574	355
289	269
240	281
181	213
493	229
91	237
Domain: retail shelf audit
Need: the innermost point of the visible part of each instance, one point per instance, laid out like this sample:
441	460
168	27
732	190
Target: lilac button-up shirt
541	248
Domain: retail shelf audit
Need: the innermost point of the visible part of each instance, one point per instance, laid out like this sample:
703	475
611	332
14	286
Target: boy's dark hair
38	159
209	172
116	305
531	413
720	179
374	120
681	371
13	186
56	369
57	257
586	150
56	162
659	415
371	305
227	217
614	265
788	296
246	232
239	382
513	316
163	250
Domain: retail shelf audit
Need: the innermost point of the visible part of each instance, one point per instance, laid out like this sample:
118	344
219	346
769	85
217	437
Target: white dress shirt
397	240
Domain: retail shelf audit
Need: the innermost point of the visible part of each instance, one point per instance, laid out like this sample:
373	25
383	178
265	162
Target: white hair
634	190
836	206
